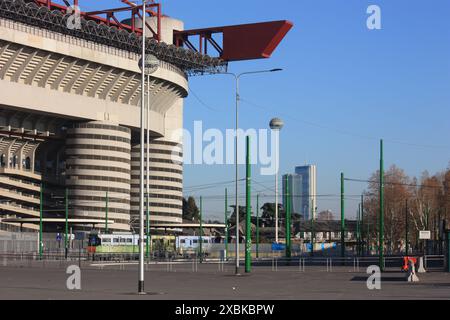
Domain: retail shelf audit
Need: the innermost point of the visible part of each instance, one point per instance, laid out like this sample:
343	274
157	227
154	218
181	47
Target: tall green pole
67	224
226	224
363	236
448	250
288	220
313	234
406	229
41	207
201	231
369	248
359	230
248	230
257	226
381	227
342	217
147	221
106	212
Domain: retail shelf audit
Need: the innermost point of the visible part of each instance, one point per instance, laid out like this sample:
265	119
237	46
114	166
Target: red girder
153	9
240	42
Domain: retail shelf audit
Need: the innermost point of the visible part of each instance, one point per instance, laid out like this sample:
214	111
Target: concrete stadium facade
70	117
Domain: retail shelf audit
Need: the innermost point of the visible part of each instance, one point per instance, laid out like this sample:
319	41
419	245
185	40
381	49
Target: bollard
421	268
411	274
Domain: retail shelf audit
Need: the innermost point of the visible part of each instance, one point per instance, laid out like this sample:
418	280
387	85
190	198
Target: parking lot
213	281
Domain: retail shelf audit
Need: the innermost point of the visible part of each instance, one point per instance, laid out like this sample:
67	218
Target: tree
268	214
428	203
325	215
190	210
396	192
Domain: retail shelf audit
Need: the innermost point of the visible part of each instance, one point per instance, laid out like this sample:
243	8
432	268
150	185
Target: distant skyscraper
302	187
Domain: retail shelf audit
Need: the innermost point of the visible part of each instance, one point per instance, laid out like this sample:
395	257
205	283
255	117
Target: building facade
70	107
303	189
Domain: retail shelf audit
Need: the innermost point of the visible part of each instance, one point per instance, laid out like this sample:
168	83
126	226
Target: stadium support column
248	230
381	227
342	218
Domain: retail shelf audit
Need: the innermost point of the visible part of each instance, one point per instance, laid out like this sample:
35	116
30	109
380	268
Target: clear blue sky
392	83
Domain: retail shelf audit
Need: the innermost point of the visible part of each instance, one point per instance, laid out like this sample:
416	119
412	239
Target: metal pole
257	226
381	227
288	220
148	169
276	187
406	229
147	238
342	218
141	289
40	220
362	226
106	212
67	223
359	230
368	237
312	228
236	177
201	231
248	216
448	250
226	224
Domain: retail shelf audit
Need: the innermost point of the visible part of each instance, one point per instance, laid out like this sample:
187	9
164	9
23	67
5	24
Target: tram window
106	240
115	240
195	241
183	241
129	240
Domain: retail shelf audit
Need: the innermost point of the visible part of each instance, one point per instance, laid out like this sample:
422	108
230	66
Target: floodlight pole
141	289
148	235
237	77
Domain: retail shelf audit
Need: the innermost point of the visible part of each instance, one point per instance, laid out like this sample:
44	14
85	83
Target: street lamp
148	65
276	125
237	77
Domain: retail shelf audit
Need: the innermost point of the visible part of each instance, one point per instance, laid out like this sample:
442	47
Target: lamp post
237	78
148	65
276	125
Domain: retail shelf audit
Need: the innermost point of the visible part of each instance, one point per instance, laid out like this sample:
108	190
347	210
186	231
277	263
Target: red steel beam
241	42
154	9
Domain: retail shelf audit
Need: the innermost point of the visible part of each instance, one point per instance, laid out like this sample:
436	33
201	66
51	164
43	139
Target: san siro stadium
70	118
